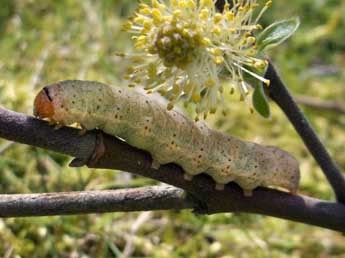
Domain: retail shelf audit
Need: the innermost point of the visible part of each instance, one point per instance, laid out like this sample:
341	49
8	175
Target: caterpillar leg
83	130
155	164
248	192
98	151
293	191
58	126
220	187
187	177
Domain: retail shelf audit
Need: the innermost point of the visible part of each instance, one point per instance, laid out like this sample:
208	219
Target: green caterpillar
169	136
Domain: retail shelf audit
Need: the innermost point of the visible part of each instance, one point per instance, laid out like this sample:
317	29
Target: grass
45	41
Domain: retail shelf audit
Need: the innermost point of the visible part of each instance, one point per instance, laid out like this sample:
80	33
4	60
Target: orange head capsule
43	105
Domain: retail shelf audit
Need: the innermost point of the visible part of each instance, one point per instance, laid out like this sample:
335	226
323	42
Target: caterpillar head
50	104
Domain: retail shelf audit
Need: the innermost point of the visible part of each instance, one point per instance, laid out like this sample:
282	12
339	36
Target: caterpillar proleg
169	136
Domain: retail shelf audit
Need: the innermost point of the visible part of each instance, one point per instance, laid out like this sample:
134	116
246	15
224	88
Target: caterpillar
168	135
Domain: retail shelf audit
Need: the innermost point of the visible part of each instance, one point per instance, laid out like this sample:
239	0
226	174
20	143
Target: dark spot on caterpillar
120	91
100	100
255	166
62	106
172	143
229	160
174	135
74	95
200	156
146	128
118	109
98	107
147	102
116	116
202	149
228	167
121	117
73	102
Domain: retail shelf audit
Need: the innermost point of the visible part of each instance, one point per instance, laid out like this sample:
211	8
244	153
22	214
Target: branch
281	95
321	104
119	155
136	199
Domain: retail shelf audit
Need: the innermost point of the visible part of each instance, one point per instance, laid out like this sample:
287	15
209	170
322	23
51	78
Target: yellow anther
216	30
182	4
213	110
176	89
251	40
147	24
137	80
219	60
207	3
177	13
218	17
216	51
120	54
230	16
204	14
157	15
145	11
139	19
258	26
205	41
170	106
196	97
127	26
210	83
191	4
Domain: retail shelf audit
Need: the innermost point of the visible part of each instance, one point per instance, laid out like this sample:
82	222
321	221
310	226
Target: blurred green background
45	41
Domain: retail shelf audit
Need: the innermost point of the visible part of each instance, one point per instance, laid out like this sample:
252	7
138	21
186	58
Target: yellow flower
186	48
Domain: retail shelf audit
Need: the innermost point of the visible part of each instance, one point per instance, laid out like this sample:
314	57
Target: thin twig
136	199
281	95
119	155
321	104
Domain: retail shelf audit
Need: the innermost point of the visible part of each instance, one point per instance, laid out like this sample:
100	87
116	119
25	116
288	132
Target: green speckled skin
170	137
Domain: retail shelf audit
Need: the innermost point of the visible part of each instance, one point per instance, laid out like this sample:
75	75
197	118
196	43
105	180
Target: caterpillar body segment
169	136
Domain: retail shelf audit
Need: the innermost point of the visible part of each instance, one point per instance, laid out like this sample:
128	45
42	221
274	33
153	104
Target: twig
119	155
321	104
281	95
136	199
